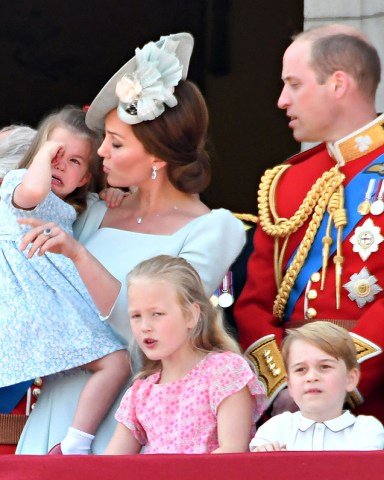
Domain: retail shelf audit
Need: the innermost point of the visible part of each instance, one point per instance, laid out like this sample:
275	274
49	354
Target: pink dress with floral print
181	416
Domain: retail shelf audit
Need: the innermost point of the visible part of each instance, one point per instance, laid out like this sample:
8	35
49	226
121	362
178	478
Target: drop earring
154	173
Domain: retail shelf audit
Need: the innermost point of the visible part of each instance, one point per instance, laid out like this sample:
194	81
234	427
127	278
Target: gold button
36	392
312	294
315	277
38	382
311	313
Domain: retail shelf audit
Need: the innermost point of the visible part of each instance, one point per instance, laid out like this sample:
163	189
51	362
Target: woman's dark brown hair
178	136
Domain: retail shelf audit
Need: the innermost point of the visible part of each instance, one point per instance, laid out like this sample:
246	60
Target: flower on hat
128	89
145	91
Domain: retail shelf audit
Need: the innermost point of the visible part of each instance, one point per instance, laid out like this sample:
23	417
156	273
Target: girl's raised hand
113	197
48	237
53	148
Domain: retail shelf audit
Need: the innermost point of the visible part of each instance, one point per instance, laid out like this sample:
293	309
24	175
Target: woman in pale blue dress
155	124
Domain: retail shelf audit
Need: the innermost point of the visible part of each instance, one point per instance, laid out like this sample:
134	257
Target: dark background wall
57	52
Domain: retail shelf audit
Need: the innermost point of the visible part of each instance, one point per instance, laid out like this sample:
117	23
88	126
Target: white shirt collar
337	424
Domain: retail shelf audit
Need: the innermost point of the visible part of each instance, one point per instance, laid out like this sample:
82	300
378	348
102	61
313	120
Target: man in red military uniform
319	246
16	403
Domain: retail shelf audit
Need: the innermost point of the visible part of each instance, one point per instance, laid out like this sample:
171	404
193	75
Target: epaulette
301	156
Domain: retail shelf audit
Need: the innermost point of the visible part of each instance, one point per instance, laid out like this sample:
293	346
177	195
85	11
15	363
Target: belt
11	426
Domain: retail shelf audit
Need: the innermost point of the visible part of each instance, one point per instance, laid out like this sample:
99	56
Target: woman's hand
48	237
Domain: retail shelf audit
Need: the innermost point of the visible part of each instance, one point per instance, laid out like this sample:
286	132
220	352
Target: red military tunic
11	424
261	331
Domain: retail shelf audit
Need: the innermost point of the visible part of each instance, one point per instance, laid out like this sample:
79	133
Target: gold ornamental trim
266	357
365	349
354	399
359	143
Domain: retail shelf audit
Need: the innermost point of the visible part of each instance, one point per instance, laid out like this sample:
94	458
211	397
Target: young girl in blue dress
48	322
195	392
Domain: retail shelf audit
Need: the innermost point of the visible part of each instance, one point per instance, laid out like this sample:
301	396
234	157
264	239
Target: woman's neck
158	209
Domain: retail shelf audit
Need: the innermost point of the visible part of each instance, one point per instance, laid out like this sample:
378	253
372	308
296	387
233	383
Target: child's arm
113	197
123	442
36	183
234	429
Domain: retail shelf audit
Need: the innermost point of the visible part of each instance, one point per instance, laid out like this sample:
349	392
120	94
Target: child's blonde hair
209	333
332	339
71	118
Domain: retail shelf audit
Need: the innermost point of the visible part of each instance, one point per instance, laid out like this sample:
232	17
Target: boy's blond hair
326	336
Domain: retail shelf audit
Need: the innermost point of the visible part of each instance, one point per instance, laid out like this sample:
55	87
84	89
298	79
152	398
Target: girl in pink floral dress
195	392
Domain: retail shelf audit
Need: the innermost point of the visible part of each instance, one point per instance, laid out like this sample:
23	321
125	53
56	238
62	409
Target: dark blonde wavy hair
209	333
71	118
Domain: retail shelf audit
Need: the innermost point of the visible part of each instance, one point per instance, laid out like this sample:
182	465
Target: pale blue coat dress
210	243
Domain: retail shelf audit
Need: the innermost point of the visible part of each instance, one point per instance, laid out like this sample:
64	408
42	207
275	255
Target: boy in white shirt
321	364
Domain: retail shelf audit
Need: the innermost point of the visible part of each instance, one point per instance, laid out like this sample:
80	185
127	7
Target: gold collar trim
359	143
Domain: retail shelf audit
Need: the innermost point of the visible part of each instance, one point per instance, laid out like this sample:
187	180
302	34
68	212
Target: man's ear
340	82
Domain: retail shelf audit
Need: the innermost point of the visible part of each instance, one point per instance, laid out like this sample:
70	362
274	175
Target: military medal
366	239
365	205
377	207
226	297
362	287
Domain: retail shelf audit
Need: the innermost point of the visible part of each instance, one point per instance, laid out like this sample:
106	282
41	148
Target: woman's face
126	162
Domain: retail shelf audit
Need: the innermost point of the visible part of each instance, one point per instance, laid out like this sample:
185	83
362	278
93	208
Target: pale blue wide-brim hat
145	84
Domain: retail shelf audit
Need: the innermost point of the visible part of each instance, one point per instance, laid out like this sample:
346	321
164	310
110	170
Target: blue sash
11	396
315	259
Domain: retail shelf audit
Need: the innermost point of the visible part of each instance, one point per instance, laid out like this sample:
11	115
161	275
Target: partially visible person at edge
155	125
191	367
15	406
318	249
14	142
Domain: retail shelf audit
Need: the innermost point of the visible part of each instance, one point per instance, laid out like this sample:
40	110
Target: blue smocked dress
48	322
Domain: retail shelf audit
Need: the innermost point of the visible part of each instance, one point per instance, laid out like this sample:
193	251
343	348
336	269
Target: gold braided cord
315	204
246	217
281	227
340	219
